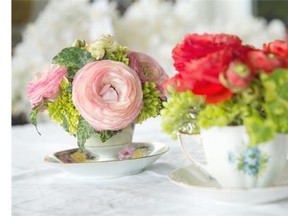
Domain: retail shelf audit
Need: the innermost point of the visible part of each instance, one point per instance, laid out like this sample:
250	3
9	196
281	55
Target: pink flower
148	69
46	85
127	152
107	94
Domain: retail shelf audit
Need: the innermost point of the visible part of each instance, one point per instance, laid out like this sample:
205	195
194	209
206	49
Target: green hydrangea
222	114
120	54
62	109
276	97
152	103
180	112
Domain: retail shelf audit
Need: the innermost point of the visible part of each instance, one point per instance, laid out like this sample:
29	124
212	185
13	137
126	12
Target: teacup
232	161
109	149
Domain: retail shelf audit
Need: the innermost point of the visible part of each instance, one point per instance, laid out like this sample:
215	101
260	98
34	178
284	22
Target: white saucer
98	168
209	189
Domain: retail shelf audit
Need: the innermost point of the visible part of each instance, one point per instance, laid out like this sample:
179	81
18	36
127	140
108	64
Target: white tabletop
40	189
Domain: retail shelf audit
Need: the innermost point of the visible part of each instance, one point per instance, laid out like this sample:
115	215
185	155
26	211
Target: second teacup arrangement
235	97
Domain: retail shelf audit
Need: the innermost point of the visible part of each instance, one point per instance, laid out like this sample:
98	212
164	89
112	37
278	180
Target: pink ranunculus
148	69
107	94
46	84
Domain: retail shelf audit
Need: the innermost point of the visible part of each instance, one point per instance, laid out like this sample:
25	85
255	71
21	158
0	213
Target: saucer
85	164
209	189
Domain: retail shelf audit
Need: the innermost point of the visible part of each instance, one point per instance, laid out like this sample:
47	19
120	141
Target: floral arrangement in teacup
101	87
222	82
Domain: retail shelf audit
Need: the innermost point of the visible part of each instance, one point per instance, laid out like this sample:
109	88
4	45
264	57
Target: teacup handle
200	166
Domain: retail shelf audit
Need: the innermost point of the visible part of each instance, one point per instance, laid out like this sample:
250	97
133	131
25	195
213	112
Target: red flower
277	47
280	49
259	61
196	46
237	76
175	82
202	76
200	59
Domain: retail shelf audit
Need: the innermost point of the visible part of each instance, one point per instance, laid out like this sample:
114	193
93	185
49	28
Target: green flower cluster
276	96
152	103
120	54
180	112
62	109
222	114
262	108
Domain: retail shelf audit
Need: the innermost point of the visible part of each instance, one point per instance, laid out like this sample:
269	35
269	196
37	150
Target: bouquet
222	82
101	87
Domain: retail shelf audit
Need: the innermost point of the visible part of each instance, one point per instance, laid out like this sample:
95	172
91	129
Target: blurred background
41	28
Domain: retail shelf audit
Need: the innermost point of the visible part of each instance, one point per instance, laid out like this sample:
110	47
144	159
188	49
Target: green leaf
106	135
84	132
65	124
33	118
73	58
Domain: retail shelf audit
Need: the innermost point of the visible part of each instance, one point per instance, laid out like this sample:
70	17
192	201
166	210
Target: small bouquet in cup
100	87
222	82
235	97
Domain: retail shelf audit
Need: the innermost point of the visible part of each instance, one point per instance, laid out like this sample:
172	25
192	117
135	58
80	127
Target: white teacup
233	162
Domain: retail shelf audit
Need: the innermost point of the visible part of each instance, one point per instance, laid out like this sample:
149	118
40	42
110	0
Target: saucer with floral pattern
132	159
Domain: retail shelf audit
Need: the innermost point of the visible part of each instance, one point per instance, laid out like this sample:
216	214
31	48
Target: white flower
102	43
